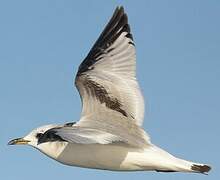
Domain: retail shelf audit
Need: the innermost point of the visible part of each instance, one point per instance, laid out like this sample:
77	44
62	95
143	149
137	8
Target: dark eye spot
38	135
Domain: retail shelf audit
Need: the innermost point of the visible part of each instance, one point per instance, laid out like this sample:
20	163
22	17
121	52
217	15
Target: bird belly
116	156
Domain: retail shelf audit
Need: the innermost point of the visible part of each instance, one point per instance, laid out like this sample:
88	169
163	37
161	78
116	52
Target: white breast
115	156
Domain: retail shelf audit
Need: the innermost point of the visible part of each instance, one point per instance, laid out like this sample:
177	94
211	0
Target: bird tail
179	165
200	168
169	163
187	166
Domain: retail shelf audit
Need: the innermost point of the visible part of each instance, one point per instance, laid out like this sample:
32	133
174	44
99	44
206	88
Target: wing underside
106	79
112	103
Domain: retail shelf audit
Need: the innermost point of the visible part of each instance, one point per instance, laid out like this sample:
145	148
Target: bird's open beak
18	141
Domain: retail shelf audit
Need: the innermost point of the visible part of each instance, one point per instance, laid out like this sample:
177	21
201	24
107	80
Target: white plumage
109	134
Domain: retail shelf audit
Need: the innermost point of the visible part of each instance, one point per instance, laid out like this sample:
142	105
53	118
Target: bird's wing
113	128
106	79
83	135
113	106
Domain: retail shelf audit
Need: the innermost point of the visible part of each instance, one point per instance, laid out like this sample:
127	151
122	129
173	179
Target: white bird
109	134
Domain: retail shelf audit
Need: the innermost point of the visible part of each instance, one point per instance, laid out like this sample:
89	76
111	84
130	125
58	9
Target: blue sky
178	49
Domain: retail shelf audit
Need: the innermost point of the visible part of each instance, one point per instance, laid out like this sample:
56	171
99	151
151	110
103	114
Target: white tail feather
162	161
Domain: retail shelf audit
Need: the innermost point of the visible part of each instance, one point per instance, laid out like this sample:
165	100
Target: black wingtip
119	8
111	31
117	25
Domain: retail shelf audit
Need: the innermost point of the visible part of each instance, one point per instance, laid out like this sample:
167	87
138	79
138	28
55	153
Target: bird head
33	137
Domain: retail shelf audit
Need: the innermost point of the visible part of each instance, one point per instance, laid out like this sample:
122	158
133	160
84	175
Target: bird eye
38	135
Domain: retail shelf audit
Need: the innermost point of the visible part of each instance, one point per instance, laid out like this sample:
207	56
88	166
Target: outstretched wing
106	79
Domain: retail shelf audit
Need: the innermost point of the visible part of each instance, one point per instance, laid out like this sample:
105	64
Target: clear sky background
178	61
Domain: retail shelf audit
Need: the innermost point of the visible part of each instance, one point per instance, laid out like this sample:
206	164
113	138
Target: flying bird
109	134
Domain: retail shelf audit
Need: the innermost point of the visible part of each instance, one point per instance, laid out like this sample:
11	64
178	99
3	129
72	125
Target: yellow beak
18	141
